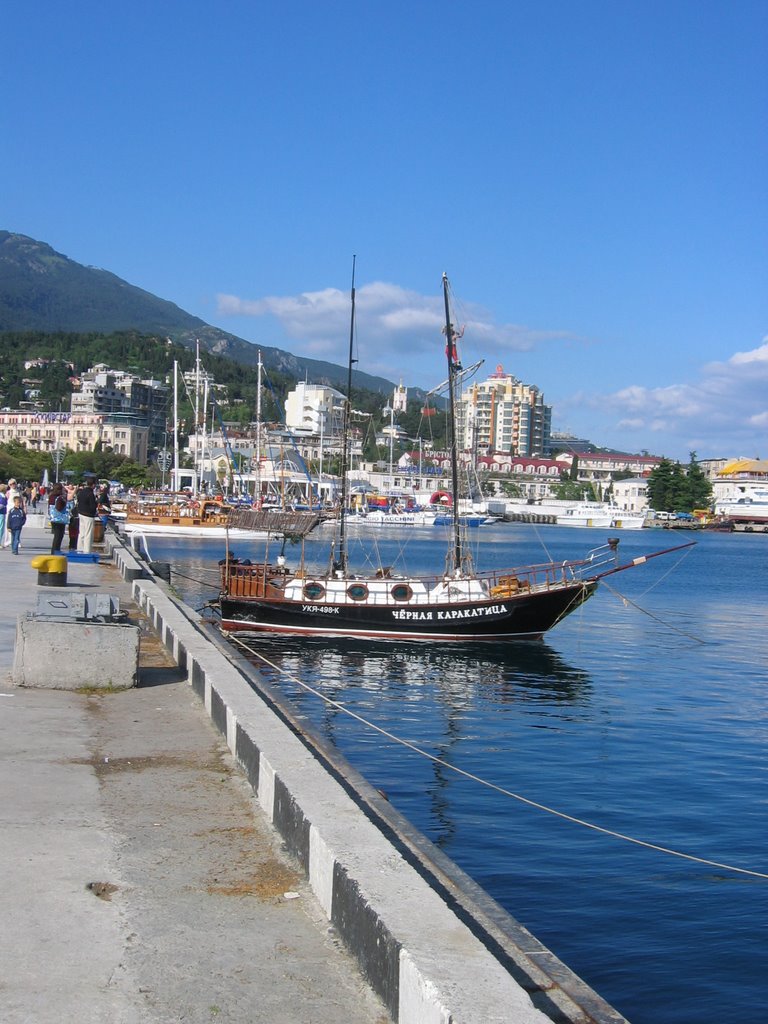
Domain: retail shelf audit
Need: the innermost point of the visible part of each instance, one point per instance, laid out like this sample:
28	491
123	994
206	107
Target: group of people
74	510
71	510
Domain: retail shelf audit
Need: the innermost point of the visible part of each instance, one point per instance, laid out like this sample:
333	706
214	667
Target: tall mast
175	486
197	416
257	488
451	354
343	557
204	420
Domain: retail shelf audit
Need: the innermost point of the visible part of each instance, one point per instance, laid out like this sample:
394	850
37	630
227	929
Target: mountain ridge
44	290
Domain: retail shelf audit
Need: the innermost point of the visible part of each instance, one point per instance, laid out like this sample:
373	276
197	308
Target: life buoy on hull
441	498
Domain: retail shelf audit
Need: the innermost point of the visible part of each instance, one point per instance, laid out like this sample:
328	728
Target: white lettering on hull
486	611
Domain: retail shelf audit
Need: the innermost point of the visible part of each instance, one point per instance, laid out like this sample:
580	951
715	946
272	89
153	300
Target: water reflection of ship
458	681
404	679
524	671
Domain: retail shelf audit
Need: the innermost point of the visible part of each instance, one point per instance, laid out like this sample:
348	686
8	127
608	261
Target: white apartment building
116	392
631	494
315	409
98	393
77	432
501	414
601	467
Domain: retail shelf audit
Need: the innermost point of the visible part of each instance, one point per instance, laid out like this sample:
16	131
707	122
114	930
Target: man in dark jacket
86	510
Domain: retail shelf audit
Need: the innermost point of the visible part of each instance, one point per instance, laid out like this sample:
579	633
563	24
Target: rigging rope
492	785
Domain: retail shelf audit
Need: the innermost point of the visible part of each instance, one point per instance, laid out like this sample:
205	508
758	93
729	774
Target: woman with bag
58	513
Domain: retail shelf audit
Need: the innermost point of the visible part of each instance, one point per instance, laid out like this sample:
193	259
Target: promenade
187	850
141	881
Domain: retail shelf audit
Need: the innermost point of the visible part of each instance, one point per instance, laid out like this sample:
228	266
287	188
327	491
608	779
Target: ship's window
313	591
401	592
357	591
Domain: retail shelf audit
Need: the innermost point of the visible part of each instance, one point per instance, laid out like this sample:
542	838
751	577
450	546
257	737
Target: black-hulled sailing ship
457	604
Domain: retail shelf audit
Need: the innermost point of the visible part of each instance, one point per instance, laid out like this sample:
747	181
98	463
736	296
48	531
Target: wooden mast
343	558
452	356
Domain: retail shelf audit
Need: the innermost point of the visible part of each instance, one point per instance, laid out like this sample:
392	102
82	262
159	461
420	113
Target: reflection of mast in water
509	675
439	700
444	821
435	699
528	672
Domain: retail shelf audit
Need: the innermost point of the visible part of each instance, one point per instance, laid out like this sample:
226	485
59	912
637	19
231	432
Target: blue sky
592	177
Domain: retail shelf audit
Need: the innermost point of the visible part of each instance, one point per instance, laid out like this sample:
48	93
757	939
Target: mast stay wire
645	844
628	600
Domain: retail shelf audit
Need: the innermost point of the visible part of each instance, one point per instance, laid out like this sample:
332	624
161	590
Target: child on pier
16	519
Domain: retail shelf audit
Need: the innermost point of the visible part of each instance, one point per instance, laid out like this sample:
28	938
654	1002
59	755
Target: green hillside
43	291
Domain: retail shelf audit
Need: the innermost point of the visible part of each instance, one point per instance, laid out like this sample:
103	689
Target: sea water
642	714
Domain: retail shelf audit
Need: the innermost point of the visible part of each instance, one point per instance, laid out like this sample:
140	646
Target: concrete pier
185	851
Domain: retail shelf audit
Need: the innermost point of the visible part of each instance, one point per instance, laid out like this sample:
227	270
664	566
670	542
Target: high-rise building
501	414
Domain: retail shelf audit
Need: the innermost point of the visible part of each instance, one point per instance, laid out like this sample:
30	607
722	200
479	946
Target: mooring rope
668	625
492	785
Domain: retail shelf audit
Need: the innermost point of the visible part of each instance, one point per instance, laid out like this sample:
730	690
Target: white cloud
394	326
727	406
398	332
757	355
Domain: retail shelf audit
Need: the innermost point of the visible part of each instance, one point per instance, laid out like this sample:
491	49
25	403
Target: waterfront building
98	393
534	478
199	381
711	468
77	432
600	467
501	414
740	478
631	494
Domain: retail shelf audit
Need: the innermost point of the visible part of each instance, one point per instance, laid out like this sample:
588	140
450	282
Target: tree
572	490
20	462
661	484
673	489
511	489
55	388
699	488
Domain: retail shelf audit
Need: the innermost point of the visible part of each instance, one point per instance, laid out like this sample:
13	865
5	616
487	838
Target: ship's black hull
524	616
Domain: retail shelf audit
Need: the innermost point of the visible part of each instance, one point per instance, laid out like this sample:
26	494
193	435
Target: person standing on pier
16	519
10	494
86	509
74	522
104	505
3	509
58	513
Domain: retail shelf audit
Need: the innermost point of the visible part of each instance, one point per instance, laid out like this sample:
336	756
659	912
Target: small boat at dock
213	519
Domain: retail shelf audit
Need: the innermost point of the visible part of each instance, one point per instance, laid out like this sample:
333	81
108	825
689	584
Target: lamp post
164	460
57	455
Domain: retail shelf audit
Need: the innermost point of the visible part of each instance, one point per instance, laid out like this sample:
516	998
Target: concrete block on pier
75	655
